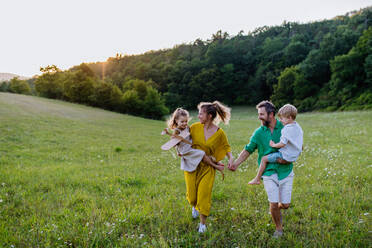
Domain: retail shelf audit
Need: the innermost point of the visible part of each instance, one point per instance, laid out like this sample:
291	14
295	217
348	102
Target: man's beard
266	123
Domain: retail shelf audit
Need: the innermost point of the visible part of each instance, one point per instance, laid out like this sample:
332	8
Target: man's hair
287	111
269	107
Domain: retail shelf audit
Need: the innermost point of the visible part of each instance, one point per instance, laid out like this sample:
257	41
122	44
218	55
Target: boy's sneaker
195	213
202	228
277	234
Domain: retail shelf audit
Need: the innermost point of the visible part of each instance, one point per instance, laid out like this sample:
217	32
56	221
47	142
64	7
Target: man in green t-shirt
277	177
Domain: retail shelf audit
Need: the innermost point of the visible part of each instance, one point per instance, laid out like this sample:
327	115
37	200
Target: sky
37	33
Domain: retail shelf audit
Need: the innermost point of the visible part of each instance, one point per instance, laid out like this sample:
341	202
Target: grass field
76	176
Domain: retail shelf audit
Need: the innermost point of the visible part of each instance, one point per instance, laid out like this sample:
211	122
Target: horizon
108	29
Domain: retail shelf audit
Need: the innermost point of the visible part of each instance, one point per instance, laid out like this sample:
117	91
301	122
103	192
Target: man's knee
274	205
284	205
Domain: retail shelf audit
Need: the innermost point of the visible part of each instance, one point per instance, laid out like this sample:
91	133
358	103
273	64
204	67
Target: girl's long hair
172	122
217	110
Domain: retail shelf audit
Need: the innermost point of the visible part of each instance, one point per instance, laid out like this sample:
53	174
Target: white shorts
278	190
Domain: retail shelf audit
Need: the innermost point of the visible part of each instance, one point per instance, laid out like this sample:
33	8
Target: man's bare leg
275	214
283	206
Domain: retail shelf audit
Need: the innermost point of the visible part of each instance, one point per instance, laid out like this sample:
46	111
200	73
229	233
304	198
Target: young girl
190	157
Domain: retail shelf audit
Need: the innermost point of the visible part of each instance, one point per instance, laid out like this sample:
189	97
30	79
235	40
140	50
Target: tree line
80	85
323	65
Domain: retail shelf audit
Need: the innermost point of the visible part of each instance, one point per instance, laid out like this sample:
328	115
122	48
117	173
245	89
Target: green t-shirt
261	140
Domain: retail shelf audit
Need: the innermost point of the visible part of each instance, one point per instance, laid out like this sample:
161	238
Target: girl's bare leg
208	160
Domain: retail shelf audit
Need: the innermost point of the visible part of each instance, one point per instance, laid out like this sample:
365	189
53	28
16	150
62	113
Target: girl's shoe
195	213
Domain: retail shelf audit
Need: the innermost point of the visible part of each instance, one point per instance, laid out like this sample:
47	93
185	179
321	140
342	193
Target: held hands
272	143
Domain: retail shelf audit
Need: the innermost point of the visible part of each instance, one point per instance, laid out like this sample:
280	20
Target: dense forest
322	65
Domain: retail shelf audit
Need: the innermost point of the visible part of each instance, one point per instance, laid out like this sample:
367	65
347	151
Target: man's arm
242	157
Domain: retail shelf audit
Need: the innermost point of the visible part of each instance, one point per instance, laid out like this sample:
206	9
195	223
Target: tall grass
75	176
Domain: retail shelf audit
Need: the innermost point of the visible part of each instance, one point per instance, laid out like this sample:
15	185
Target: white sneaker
195	213
277	234
202	228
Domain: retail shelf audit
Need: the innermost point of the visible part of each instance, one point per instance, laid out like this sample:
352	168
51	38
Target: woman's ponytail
224	112
217	110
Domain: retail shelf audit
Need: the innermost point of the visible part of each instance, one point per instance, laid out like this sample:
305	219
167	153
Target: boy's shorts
272	157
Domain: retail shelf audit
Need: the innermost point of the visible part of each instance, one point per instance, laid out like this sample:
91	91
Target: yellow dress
199	183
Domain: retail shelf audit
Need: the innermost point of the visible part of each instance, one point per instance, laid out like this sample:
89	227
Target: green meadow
77	176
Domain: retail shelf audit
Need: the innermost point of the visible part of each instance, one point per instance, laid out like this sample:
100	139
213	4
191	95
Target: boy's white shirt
292	137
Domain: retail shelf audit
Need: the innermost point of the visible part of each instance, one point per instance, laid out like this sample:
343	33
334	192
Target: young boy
290	141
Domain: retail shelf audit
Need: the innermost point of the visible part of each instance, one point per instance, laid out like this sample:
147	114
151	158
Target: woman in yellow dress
207	136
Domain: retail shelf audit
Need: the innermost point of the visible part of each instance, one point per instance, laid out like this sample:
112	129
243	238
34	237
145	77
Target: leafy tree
78	87
283	91
130	103
50	83
295	52
4	87
154	105
19	86
349	77
368	70
107	96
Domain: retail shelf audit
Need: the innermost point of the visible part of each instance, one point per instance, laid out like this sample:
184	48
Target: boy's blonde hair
287	111
172	122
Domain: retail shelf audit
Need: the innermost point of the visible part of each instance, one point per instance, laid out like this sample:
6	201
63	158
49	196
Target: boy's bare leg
263	164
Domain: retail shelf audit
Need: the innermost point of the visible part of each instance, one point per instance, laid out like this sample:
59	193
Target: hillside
77	176
8	76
